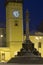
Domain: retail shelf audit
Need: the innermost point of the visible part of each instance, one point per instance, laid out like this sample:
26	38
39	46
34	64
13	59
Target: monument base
26	60
27	55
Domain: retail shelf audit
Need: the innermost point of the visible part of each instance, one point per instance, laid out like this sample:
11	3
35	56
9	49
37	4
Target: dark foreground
18	64
26	60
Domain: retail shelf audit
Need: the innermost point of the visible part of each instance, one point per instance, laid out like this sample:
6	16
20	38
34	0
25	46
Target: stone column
27	25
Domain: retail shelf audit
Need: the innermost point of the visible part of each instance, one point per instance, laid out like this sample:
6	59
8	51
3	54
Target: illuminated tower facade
14	25
14	22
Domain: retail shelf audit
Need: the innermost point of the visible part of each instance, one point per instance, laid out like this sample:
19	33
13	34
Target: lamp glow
1	35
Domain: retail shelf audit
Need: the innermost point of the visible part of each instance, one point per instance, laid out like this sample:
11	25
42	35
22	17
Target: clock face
16	14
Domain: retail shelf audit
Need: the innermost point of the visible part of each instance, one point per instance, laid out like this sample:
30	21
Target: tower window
16	23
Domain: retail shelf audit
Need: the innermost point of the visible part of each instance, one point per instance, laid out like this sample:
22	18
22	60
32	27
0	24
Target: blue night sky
35	8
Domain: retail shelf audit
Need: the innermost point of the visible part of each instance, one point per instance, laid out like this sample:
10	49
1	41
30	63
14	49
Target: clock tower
14	22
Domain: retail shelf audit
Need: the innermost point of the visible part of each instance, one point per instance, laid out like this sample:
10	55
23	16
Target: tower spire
27	25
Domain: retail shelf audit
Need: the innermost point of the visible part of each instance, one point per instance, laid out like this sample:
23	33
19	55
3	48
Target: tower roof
18	1
14	0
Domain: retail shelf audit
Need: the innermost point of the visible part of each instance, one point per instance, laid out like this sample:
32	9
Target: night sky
35	8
